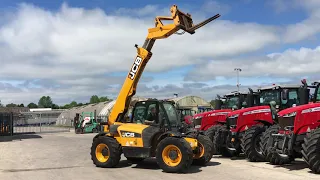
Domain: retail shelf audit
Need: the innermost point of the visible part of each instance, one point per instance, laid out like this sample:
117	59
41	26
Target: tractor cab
203	109
237	100
185	114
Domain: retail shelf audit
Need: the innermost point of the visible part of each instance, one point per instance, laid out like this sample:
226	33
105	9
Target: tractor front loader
159	137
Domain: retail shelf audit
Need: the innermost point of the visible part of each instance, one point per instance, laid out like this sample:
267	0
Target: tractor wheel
251	143
105	152
265	138
206	151
311	150
79	131
210	133
271	155
135	159
221	142
174	155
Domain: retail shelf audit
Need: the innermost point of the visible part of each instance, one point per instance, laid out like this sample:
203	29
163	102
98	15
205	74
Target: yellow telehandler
162	137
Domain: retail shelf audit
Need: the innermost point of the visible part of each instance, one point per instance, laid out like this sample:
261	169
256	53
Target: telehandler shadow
240	157
151	164
19	137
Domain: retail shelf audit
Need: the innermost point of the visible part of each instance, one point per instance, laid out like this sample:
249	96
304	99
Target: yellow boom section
181	21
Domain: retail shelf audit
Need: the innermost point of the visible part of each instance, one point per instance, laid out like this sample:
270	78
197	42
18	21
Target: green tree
80	104
73	104
94	99
11	105
103	99
55	106
45	102
21	105
32	105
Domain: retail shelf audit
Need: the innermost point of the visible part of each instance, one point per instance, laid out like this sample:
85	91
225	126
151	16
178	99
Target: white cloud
290	63
74	48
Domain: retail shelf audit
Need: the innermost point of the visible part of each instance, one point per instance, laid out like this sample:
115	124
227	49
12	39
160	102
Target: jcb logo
127	134
135	67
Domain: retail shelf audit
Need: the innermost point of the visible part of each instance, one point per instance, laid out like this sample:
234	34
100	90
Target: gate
6	124
37	122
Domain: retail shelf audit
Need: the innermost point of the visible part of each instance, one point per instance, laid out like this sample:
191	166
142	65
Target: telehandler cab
174	151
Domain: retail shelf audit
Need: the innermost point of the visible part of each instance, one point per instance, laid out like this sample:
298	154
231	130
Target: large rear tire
174	155
210	133
105	152
251	143
311	150
206	152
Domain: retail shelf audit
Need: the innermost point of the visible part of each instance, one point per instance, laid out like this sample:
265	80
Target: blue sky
244	36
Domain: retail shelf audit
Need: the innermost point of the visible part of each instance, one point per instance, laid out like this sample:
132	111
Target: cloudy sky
73	49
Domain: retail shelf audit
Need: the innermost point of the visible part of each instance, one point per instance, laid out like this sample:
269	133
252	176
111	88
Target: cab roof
278	86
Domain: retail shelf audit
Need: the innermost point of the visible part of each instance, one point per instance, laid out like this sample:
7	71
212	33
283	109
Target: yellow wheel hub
171	155
201	153
102	153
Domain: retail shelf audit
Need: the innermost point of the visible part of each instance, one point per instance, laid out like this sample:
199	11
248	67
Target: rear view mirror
217	104
285	94
304	95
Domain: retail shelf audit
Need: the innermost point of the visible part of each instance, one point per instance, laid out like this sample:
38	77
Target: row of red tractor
275	124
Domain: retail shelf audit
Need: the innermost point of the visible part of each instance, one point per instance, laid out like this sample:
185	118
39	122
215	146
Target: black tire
114	152
210	133
207	146
79	131
186	152
135	159
273	157
220	142
251	143
265	138
311	150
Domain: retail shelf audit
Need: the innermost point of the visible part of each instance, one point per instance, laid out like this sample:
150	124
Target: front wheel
174	155
251	143
105	152
210	133
311	151
205	153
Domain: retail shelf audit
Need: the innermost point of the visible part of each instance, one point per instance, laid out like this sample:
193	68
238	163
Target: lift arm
181	21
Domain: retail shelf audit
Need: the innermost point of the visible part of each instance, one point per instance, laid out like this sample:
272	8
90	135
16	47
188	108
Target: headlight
234	116
290	114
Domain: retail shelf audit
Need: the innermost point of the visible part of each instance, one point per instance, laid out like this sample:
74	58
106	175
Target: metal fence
38	122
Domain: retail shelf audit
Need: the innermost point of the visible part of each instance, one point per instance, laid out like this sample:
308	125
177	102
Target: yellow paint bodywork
193	142
131	141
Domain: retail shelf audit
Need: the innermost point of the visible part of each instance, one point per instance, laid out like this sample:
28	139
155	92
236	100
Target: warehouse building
193	102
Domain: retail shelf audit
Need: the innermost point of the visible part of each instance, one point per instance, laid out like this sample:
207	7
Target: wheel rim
171	155
199	155
102	152
257	144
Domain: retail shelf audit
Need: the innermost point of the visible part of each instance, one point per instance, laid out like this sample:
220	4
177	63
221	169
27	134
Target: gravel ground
66	156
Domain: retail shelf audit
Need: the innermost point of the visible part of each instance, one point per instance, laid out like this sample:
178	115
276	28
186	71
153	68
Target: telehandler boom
174	150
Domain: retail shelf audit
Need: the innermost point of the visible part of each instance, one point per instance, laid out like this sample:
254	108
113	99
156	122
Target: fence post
40	121
11	124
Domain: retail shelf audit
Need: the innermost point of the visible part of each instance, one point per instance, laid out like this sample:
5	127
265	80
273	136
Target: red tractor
212	120
244	127
297	133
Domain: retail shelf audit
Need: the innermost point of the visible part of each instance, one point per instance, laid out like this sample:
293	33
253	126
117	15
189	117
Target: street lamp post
238	84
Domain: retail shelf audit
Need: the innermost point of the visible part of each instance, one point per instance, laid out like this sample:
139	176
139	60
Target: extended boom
181	21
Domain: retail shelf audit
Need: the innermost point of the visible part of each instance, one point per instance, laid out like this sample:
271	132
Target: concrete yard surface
63	156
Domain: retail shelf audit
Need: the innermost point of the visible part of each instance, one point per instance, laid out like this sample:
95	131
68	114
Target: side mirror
284	94
217	104
304	95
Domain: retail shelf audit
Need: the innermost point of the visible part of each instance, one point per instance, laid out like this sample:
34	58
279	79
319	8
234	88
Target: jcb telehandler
297	134
174	150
